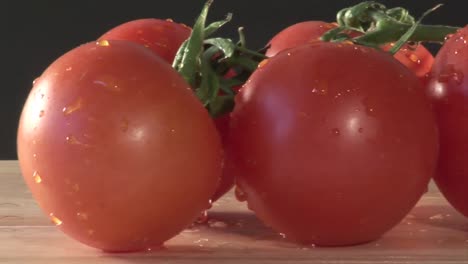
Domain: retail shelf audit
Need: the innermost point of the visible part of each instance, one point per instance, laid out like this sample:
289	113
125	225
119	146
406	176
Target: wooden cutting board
432	233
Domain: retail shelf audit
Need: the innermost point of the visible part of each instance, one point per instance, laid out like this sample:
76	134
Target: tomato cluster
119	151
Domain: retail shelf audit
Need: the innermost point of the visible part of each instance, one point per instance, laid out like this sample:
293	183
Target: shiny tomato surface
163	37
116	148
448	89
324	135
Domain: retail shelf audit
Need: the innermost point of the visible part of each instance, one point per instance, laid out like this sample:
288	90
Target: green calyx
204	63
380	25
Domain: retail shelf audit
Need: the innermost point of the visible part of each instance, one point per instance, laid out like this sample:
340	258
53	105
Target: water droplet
69	69
173	130
124	125
456	52
289	53
370	110
241	196
448	37
202	218
218	224
361	130
35	156
437	217
37	178
449	73
72	140
200	242
103	43
169	20
108	82
55	219
263	63
75	106
282	235
414	58
41	113
336	132
82	216
184	25
35	81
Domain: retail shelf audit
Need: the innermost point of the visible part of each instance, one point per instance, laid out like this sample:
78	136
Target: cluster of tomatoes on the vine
331	139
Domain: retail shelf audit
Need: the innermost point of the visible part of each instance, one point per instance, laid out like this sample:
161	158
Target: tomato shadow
440	216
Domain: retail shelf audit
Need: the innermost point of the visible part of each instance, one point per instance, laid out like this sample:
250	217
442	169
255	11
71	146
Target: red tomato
116	148
416	58
320	146
448	88
163	37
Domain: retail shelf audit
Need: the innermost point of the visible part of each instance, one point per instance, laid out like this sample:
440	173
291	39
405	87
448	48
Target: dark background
36	32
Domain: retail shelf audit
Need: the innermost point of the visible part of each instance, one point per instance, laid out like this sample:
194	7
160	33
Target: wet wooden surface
432	233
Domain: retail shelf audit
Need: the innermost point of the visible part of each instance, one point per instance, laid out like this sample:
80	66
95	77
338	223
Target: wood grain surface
432	233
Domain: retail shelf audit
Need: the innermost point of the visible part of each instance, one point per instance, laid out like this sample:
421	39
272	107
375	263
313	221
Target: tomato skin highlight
448	89
163	37
116	148
415	57
323	135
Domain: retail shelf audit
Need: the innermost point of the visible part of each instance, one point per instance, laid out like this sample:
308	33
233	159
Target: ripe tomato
320	146
163	37
448	88
116	148
415	57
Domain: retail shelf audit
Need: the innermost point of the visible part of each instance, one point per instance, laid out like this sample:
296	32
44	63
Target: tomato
163	37
448	89
320	146
415	57
116	148
296	35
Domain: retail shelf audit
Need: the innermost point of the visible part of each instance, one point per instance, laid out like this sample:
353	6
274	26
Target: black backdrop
35	32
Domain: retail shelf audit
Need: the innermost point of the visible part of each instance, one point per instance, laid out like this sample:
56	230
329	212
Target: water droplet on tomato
361	130
41	113
103	43
72	140
75	106
124	125
282	235
55	219
202	218
35	156
69	69
108	82
82	216
241	196
449	73
184	25
169	20
263	63
456	52
414	58
449	36
76	187
35	81
336	132
37	178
